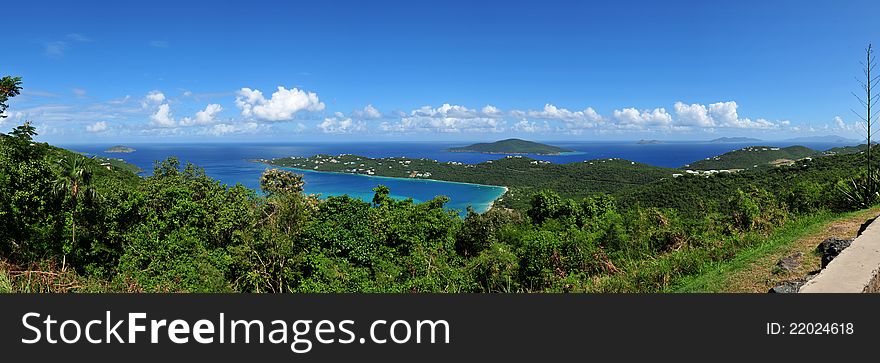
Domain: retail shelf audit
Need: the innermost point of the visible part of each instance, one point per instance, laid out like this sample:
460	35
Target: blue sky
220	71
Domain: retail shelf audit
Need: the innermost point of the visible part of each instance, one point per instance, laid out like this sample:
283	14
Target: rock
831	247
788	264
790	286
787	287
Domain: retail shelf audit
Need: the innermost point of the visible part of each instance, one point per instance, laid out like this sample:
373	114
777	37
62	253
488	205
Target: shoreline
504	189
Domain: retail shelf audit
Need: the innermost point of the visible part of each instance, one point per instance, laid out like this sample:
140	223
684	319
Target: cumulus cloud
720	114
153	98
241	128
490	110
339	124
587	118
203	117
446	118
97	127
530	127
633	118
282	106
369	112
162	117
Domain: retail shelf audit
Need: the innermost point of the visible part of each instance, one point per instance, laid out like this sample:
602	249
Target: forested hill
754	156
511	146
523	176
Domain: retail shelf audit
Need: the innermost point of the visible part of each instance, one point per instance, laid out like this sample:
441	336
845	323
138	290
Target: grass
5	284
750	270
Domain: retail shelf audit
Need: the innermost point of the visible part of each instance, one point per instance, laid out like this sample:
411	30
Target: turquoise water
461	195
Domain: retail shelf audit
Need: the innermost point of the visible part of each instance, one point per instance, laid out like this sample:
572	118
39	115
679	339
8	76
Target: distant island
649	142
824	138
511	146
119	149
722	140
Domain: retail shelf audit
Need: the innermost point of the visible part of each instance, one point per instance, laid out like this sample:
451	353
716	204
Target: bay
230	163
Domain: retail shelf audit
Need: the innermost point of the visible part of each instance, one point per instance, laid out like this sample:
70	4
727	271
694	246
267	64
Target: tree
24	132
275	181
9	87
75	185
862	190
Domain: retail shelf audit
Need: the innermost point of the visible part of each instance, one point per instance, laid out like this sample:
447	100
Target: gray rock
788	264
831	247
790	286
787	287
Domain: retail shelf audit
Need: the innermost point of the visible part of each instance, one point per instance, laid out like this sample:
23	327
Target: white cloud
720	114
490	110
633	118
242	128
79	92
97	127
446	118
369	112
120	101
162	117
153	97
526	126
203	117
693	115
281	106
839	122
588	118
339	124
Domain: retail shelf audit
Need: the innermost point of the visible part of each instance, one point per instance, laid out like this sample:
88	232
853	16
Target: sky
230	71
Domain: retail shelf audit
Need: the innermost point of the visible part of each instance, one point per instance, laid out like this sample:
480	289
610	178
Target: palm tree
75	184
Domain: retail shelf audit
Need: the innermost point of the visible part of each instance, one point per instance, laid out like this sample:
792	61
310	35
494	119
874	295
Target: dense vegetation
755	156
511	146
522	175
67	223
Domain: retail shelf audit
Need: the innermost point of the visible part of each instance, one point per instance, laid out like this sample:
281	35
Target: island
511	146
649	142
731	140
119	149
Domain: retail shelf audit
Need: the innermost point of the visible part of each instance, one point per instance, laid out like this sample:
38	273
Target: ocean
229	163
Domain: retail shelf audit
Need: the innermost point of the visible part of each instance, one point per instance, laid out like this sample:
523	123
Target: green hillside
511	146
754	156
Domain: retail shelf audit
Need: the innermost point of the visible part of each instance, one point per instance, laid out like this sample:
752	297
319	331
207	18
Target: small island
649	142
511	146
119	149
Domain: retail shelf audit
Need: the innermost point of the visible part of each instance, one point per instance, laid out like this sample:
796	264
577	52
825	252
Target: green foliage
749	157
860	191
9	87
275	181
